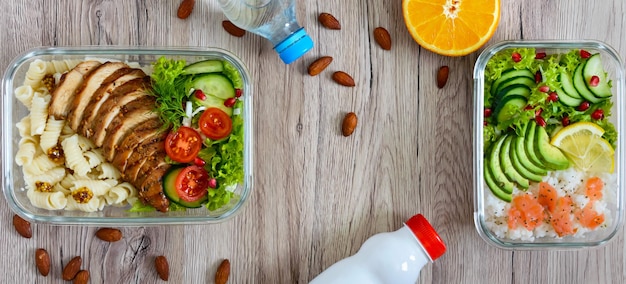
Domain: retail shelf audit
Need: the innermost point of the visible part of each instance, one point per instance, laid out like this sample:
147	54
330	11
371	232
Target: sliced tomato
215	123
192	183
183	145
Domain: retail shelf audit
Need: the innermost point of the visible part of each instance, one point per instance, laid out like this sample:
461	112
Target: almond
382	37
232	29
42	261
82	277
329	21
223	272
22	226
349	124
442	76
342	78
162	267
109	234
319	65
72	268
185	8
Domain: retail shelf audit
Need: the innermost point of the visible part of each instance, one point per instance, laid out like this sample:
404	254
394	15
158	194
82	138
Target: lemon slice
583	145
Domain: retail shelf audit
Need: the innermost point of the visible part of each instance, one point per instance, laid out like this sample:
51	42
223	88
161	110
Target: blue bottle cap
294	46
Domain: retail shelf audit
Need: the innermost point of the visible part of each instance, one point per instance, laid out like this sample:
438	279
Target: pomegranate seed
538	77
528	107
553	97
200	95
598	114
538	112
199	162
516	57
540	121
544	89
565	121
485	123
230	102
583	106
540	55
488	112
212	183
594	81
238	93
584	54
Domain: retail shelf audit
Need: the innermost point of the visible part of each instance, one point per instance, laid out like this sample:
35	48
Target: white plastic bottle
274	20
395	257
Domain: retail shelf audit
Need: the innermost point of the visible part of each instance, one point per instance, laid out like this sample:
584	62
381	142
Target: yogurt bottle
393	257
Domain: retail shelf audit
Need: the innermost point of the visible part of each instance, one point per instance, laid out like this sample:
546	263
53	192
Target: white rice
567	183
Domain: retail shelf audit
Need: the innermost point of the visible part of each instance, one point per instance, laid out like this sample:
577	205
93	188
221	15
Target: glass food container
496	222
13	183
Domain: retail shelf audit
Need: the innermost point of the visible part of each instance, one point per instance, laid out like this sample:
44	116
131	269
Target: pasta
26	152
39	114
78	179
50	136
47	200
35	73
25	95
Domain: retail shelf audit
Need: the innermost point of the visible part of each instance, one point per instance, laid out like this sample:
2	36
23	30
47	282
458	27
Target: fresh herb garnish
169	90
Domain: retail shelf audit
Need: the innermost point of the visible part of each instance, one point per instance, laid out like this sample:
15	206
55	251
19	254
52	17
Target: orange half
451	27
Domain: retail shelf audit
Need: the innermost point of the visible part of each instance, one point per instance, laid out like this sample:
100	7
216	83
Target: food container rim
115	51
478	75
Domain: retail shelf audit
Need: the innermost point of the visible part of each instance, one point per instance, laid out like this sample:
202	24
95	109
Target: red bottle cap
427	236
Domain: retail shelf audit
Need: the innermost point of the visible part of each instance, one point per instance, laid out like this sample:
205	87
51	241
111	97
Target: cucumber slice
517	81
169	188
568	86
517	89
566	99
581	86
214	85
508	75
593	67
509	107
206	66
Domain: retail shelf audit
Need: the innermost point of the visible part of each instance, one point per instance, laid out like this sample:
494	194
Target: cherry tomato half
215	123
183	145
192	183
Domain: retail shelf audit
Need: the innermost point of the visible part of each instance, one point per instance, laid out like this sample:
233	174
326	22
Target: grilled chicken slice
145	131
129	116
122	95
91	82
63	94
153	148
151	188
91	110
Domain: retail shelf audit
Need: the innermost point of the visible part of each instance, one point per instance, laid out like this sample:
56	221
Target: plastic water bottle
274	20
394	257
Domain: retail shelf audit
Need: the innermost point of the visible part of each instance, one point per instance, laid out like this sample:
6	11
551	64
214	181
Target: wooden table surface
317	195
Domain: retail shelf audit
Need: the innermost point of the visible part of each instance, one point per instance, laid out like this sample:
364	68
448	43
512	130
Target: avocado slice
529	144
507	165
550	155
519	167
495	188
496	168
520	152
